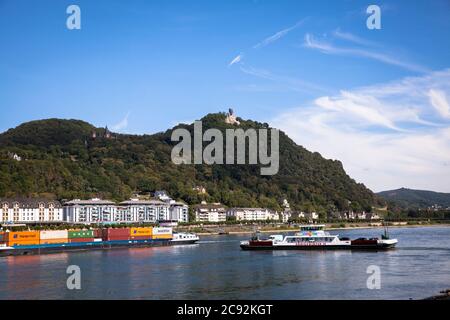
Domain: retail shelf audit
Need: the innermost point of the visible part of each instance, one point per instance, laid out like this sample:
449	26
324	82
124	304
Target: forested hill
409	198
61	159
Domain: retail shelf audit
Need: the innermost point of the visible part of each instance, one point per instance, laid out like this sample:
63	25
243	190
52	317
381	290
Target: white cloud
290	83
236	60
353	38
387	136
328	48
278	35
122	125
439	102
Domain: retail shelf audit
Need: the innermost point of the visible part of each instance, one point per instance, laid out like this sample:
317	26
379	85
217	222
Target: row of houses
30	210
351	215
92	211
136	210
216	212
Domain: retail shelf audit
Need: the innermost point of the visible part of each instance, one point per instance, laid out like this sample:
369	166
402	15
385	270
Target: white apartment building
131	211
179	211
210	213
88	211
252	214
30	210
135	210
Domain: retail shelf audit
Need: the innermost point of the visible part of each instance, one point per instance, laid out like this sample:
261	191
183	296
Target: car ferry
314	237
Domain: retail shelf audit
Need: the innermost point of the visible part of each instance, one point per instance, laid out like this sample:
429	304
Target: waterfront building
372	216
106	211
30	210
361	215
179	211
210	212
252	214
285	216
89	211
151	211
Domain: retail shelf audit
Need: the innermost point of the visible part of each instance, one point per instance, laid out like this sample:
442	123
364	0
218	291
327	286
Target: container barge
55	241
313	237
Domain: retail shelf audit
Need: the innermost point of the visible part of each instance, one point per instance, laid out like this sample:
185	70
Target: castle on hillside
231	118
105	133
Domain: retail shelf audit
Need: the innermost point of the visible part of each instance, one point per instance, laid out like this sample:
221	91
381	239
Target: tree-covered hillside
420	199
61	159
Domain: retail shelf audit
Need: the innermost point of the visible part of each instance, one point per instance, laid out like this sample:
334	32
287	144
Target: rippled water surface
216	268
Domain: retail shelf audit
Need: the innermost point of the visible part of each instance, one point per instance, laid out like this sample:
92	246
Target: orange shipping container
139	232
25	237
162	236
53	241
21	243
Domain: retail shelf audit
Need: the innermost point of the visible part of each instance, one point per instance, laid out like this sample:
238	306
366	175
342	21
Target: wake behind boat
314	237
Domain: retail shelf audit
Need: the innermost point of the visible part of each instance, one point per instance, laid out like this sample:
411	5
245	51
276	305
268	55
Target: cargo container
22	238
53	234
53	241
162	236
162	231
27	243
112	234
141	238
77	240
73	234
2	237
98	233
139	232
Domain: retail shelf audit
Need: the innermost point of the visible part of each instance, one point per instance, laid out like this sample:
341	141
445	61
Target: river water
216	268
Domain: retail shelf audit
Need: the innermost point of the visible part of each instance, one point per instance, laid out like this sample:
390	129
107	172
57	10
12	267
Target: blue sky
312	68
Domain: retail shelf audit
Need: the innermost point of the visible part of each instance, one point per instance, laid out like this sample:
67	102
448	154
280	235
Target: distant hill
61	159
409	198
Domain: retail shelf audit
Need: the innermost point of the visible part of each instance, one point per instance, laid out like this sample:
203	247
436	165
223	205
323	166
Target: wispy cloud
237	59
387	136
291	83
278	35
352	38
325	47
122	125
439	101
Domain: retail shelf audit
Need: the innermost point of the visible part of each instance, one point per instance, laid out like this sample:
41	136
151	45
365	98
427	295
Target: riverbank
445	295
249	229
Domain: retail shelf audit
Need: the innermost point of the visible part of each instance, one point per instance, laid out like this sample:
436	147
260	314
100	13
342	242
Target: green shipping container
81	234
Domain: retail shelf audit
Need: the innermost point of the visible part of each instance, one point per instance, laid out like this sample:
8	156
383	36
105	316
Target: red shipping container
98	233
81	240
116	234
141	238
